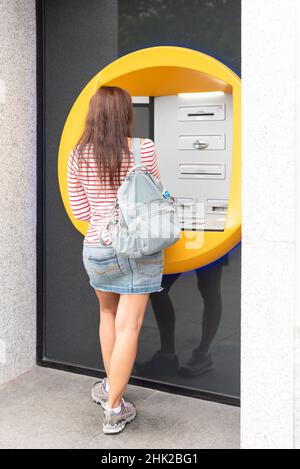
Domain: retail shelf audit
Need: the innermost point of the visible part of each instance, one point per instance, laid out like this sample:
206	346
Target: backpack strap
137	165
136	150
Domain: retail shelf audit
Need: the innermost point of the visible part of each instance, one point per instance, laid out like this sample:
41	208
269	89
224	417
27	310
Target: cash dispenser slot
201	113
216	206
202	171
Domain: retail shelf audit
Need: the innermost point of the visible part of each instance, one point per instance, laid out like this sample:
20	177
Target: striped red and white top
88	201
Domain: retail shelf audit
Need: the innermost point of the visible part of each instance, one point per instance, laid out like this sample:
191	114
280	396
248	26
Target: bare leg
108	310
129	320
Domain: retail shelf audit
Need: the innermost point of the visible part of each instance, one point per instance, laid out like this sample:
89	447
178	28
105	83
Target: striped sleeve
79	203
153	163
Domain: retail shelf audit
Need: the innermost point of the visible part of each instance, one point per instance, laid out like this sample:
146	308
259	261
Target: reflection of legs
129	319
164	361
108	309
165	314
209	284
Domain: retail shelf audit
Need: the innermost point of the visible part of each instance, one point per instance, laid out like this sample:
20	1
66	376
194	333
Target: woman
96	168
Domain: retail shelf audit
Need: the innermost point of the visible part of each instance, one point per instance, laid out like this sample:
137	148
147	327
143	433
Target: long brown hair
107	128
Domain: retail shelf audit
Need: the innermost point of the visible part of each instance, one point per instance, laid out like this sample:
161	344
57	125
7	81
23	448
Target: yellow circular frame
162	71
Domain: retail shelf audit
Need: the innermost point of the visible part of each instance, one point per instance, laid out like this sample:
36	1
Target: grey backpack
148	220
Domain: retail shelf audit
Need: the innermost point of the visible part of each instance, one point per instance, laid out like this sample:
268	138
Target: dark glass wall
198	310
209	26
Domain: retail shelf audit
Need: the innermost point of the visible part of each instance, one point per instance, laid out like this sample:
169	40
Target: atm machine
193	136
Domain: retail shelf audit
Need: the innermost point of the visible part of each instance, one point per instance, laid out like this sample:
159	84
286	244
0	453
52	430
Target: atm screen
143	117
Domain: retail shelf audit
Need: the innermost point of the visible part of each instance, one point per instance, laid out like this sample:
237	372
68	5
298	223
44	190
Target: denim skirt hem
126	291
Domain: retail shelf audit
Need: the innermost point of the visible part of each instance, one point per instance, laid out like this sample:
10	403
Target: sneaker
199	363
159	365
115	423
99	393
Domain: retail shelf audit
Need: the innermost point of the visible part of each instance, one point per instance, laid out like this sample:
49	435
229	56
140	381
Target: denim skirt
109	271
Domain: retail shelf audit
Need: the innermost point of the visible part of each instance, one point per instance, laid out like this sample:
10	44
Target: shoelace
125	404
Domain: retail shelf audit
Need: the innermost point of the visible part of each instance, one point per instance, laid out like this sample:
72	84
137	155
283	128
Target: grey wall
18	187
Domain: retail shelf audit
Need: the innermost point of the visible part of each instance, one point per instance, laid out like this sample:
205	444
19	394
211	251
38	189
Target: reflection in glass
192	339
212	27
